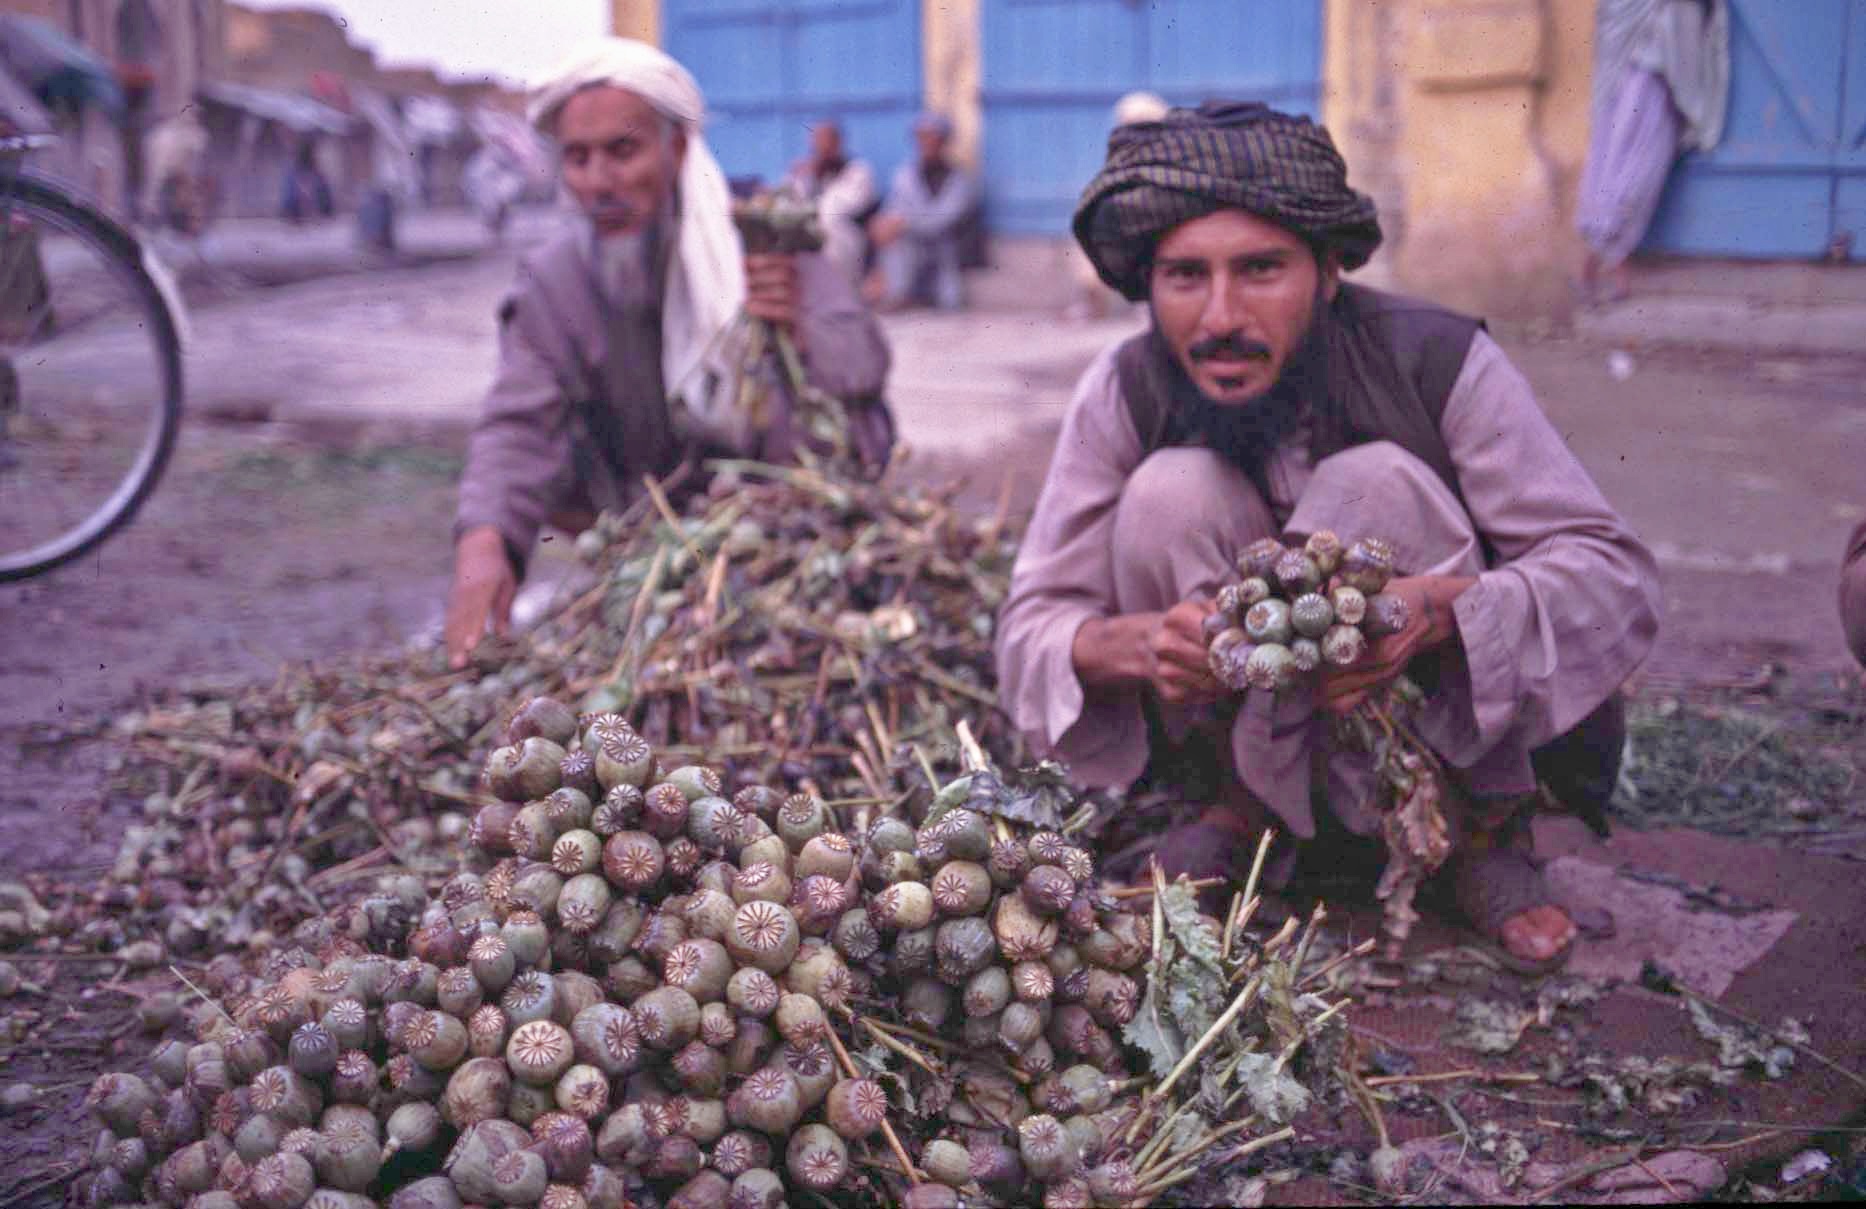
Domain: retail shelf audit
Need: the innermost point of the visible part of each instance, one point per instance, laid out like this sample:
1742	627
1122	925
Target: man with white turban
618	346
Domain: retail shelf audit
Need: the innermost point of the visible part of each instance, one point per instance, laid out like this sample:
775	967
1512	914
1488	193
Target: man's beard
1247	433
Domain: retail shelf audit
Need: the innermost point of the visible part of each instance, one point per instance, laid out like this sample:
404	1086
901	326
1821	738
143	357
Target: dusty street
307	513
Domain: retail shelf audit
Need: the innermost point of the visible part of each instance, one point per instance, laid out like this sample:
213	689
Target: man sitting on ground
1271	399
919	228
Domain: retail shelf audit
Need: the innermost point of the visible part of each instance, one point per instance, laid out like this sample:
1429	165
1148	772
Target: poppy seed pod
538	1052
1349	604
1366	565
1258	560
1324	549
817	1158
1386	614
801	819
715	824
765	935
1046	1148
1343	646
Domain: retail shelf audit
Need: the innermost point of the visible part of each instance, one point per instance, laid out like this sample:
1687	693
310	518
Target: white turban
706	273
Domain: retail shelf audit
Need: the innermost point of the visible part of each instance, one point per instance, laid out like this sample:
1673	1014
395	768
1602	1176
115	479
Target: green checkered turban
1224	155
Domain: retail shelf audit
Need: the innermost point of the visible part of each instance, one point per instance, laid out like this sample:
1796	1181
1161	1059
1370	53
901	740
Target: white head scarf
706	271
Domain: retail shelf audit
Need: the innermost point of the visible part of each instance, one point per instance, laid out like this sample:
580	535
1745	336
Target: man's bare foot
1538	933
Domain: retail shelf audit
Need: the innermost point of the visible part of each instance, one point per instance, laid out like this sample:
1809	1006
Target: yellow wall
636	19
950	65
1467	121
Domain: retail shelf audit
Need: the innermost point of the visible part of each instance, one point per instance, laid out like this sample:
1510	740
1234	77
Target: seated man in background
1271	399
844	192
613	357
919	229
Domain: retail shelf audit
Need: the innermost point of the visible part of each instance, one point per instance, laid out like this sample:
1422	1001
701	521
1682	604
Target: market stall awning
298	113
56	68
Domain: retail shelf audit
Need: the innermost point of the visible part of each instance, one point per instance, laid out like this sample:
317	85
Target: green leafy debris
1273	1093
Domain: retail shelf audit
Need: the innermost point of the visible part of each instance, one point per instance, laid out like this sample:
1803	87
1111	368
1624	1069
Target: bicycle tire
24	191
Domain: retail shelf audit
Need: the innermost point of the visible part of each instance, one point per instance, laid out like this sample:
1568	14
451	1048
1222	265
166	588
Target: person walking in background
176	158
1661	84
306	192
918	230
844	192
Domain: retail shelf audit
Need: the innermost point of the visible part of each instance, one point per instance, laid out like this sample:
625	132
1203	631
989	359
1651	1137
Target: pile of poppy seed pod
783	625
657	993
1299	608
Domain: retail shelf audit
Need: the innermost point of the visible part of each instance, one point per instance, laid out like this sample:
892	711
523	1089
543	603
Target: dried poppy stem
335	873
650	584
1256	865
1255	1144
908	1030
887	1130
882	735
1205	1143
1450	1076
673	519
935	676
205	997
906	1051
1360	950
864	770
975	758
1204	1043
1316	918
1126	892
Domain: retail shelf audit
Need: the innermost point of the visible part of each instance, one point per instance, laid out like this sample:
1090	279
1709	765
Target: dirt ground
279	541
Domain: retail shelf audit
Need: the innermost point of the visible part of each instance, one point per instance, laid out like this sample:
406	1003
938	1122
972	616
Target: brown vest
1392	363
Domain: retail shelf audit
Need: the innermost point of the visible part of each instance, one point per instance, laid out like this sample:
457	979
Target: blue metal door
1789	177
1053	70
772	68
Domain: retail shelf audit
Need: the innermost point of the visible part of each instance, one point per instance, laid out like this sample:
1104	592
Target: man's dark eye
1184	272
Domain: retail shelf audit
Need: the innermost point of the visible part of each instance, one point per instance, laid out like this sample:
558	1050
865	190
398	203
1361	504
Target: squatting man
1271	398
616	356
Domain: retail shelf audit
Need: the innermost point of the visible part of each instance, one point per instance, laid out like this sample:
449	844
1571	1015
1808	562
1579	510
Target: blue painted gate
1053	70
1789	177
772	68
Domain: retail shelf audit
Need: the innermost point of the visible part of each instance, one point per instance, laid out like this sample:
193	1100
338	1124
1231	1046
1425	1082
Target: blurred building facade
275	90
1468	120
160	52
299	79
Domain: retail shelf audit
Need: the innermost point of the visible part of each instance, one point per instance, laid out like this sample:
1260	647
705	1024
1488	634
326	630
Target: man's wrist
1111	651
484	540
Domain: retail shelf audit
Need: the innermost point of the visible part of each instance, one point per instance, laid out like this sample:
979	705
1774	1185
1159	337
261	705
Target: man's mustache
1232	346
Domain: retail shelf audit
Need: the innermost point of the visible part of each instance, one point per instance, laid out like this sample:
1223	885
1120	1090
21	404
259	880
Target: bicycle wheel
90	378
